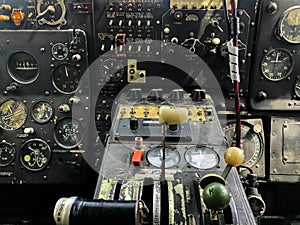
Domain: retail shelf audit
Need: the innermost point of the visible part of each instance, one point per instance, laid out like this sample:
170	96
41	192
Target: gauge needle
66	70
277	55
9	108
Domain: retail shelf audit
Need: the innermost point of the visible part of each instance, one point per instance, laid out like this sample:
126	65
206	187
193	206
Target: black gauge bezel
10	128
64	145
54	82
22	155
280	23
36	119
10	161
290	68
18	78
64	46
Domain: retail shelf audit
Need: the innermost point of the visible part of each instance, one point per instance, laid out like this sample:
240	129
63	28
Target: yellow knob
234	156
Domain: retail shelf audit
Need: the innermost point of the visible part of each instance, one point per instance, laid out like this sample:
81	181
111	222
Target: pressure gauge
42	112
35	154
251	141
23	67
201	157
68	132
297	88
111	69
51	12
289	25
154	157
65	78
277	64
59	51
13	114
7	153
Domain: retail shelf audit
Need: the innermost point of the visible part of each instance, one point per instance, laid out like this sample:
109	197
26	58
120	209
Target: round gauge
65	78
42	112
7	153
154	157
51	12
297	88
277	64
289	25
111	69
201	157
35	154
68	132
23	67
59	51
13	114
251	141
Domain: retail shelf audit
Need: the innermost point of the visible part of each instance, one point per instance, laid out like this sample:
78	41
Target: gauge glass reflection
68	132
23	67
13	114
7	153
42	112
277	64
251	142
289	25
154	157
65	78
201	158
35	154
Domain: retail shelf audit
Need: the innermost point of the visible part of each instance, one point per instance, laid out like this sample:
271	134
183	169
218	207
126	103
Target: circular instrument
289	25
59	51
65	78
154	157
68	132
23	67
7	153
297	88
42	112
51	12
35	154
111	69
13	114
251	141
277	64
201	157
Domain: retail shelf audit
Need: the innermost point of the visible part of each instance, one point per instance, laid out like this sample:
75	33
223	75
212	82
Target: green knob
216	196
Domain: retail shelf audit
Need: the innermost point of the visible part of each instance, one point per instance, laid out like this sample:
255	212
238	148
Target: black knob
134	94
134	124
178	15
261	95
173	127
176	95
155	95
198	95
272	7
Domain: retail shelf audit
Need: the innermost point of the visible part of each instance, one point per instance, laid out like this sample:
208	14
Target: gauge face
68	132
277	64
297	88
51	12
7	154
201	158
42	112
251	141
154	157
13	114
59	51
23	67
35	154
65	78
289	25
111	69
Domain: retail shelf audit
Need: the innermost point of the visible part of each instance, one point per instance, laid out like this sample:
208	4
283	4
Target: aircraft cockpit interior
149	112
